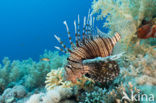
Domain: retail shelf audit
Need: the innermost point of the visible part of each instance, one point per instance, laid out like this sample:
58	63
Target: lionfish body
90	46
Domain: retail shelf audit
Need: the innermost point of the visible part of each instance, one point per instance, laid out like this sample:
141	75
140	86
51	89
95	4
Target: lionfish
89	45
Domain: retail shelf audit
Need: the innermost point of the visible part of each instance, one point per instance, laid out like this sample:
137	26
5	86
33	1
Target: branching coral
100	95
142	67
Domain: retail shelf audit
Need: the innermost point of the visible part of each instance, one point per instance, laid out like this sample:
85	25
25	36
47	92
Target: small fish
45	59
147	30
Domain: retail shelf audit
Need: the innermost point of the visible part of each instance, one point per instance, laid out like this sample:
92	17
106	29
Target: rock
6	92
19	90
11	95
8	96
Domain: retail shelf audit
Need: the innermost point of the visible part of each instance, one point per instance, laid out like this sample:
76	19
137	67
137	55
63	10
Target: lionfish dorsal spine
62	44
69	36
86	34
78	29
76	37
84	25
60	49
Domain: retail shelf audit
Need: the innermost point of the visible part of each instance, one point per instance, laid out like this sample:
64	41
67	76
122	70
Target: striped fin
62	44
69	36
84	25
76	36
115	38
89	26
78	33
58	48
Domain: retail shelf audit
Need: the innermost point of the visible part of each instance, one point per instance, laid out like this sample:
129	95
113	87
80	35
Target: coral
57	95
142	67
12	94
100	95
54	56
29	73
119	12
140	70
124	17
95	96
57	78
34	98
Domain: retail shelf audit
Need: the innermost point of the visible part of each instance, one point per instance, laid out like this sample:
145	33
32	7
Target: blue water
27	27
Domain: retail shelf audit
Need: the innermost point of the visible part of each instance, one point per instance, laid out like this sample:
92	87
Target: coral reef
137	64
28	73
136	59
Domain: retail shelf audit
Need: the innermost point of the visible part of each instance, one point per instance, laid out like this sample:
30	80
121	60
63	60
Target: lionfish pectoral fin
103	59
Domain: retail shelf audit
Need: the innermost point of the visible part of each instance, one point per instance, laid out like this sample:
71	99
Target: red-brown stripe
106	50
103	52
105	43
99	46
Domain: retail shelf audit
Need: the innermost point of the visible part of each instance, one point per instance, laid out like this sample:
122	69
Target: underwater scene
78	51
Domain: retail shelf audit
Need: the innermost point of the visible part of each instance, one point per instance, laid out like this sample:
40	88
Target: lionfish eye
87	75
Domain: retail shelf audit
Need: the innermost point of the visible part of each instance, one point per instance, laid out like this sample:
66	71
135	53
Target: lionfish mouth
90	45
